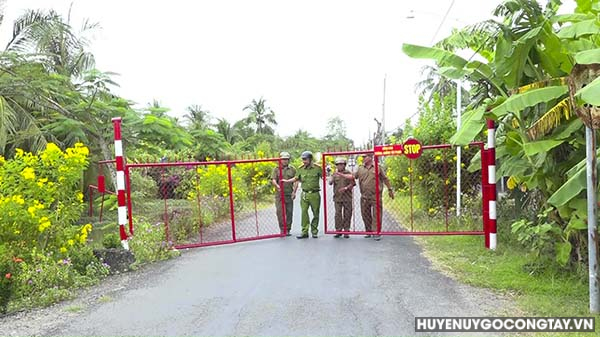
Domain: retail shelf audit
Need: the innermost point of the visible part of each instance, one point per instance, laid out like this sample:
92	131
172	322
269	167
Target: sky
311	60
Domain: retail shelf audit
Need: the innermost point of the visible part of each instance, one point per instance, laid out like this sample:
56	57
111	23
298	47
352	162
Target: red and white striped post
122	210
491	186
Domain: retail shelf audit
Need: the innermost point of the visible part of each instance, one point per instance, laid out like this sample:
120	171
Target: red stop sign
412	148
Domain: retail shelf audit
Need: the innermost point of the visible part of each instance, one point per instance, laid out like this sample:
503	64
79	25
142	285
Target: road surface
283	287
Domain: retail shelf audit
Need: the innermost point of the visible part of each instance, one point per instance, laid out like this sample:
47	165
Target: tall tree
261	116
197	117
337	134
229	132
49	36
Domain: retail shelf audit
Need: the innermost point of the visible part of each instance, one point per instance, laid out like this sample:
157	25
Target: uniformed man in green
309	175
289	193
342	196
368	195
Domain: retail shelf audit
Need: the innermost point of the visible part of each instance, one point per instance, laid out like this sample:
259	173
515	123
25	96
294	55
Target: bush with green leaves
7	270
44	279
432	176
149	243
44	251
111	240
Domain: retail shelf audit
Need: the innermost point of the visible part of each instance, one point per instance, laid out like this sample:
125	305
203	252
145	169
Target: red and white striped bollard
491	144
120	163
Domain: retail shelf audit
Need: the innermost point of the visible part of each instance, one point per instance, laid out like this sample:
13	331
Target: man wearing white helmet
289	192
342	196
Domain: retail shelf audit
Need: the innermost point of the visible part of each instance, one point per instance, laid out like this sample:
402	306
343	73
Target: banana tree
539	139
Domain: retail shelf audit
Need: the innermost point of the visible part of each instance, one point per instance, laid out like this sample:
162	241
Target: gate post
231	203
122	207
485	196
491	164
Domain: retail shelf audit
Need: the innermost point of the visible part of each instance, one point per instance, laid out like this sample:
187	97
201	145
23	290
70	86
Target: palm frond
8	120
562	111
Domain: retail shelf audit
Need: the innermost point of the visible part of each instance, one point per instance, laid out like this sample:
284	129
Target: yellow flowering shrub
40	200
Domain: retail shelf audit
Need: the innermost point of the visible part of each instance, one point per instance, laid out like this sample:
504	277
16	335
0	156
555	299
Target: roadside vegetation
525	73
55	126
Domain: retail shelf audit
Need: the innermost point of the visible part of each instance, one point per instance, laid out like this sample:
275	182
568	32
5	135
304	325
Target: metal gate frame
486	157
229	164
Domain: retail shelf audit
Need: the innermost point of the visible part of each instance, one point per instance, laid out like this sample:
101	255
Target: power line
442	22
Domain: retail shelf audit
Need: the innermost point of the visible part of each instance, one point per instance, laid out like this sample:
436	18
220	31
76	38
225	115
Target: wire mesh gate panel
425	194
206	203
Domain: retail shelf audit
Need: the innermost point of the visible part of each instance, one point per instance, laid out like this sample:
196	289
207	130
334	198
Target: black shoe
314	236
346	236
367	236
288	234
304	236
337	236
377	237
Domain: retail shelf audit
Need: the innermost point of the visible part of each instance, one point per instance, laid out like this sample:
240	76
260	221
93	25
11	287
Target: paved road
314	287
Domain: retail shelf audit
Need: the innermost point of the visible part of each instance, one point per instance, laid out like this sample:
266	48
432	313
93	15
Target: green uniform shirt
287	173
341	182
366	181
309	177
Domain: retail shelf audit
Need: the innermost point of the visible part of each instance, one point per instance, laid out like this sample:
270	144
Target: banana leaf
471	126
443	57
588	56
518	102
533	148
587	27
573	186
590	93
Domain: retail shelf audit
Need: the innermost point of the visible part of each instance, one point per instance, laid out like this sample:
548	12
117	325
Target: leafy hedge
43	252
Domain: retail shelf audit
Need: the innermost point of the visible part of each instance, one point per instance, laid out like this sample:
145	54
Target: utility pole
383	113
458	150
590	150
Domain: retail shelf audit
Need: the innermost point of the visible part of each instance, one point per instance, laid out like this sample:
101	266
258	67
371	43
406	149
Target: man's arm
387	183
275	178
291	180
348	176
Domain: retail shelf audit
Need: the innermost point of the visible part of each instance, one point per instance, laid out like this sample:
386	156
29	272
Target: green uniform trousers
289	212
312	200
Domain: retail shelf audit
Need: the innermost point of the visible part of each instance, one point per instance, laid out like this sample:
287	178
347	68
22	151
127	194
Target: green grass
426	220
74	308
537	288
105	299
547	292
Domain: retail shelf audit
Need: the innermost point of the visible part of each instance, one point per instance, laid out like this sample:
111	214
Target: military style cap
284	155
340	160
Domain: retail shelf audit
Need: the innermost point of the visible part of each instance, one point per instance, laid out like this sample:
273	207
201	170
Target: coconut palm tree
198	117
51	38
261	116
229	132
